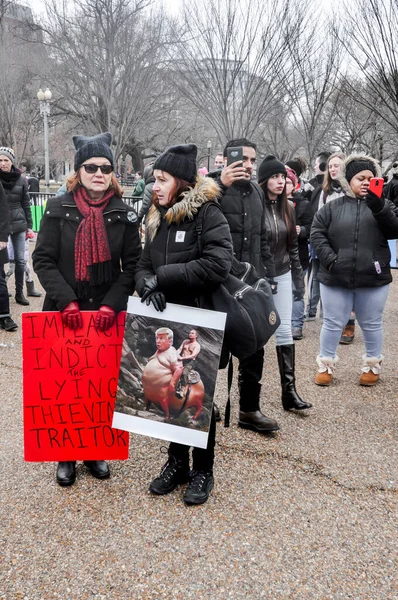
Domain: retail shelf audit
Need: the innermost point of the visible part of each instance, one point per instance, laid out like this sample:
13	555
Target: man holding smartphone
243	205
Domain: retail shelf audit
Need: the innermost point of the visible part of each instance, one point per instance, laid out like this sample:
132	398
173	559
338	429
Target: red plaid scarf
92	254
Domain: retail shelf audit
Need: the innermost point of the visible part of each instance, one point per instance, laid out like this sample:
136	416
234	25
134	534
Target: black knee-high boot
290	398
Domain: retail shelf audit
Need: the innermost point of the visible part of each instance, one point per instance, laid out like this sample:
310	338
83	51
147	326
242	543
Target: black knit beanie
270	166
179	161
356	166
296	165
88	147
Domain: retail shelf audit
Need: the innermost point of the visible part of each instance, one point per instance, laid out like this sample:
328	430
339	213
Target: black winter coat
17	194
349	239
245	213
53	257
304	216
285	260
4	225
172	253
391	190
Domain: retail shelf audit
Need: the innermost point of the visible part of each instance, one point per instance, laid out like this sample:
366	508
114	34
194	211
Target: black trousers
4	299
249	377
202	459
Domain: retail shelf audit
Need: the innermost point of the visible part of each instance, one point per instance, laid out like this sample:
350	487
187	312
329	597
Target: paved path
310	513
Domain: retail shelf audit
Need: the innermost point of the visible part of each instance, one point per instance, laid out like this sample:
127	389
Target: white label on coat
180	236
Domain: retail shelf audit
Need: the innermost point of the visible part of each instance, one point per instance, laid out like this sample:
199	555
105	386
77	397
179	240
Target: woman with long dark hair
282	237
86	253
173	268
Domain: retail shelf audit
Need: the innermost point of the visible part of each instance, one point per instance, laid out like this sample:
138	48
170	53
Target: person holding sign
173	269
86	253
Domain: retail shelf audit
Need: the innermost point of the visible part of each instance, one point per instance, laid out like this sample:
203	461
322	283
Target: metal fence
38	201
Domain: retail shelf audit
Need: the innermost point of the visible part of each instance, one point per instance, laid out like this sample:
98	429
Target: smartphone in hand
234	154
376	186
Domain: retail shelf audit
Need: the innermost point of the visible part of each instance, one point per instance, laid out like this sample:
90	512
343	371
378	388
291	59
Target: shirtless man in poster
187	353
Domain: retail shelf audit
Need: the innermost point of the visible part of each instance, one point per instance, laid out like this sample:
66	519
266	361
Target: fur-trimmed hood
343	181
205	190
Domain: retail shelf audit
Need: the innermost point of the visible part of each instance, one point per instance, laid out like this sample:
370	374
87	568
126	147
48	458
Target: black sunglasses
92	168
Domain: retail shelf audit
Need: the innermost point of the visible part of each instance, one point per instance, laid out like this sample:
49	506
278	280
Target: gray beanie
179	161
9	153
88	147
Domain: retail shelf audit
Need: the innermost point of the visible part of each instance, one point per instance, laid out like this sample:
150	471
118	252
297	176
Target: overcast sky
38	5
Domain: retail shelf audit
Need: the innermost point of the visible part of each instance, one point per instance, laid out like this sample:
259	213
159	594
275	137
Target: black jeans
202	459
4	299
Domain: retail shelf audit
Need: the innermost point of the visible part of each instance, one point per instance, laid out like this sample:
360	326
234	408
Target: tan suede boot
347	337
326	366
370	371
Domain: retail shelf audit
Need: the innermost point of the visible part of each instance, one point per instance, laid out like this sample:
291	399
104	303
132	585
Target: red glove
105	318
72	317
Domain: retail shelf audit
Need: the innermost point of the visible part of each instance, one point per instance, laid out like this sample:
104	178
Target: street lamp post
208	154
44	101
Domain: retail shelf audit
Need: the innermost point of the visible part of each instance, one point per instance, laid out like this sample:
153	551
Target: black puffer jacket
17	194
245	213
53	257
285	260
349	239
4	225
172	252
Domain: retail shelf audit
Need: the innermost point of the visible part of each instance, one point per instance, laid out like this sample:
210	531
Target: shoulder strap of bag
199	223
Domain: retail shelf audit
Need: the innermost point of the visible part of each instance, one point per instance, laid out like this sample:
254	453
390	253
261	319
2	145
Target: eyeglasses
92	168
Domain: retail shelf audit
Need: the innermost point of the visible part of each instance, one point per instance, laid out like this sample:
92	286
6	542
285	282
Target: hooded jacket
53	257
171	250
351	241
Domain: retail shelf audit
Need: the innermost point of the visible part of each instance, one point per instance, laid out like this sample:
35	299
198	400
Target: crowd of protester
331	231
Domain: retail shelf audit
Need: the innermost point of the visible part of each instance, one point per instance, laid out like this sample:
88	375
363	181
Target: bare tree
105	56
369	33
313	91
229	63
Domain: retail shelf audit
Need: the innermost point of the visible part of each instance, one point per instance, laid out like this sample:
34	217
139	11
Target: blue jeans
368	305
18	243
283	301
298	309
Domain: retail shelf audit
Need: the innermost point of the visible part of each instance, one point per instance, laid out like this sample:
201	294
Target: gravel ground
309	513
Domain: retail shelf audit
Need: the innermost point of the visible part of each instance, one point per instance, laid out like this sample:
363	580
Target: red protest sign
69	388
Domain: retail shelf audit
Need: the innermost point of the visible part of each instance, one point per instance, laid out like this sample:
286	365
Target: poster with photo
168	372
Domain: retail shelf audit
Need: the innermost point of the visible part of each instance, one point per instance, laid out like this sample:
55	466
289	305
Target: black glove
298	294
158	300
273	285
149	286
374	202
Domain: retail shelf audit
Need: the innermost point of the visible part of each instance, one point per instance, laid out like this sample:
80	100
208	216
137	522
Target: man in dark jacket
243	205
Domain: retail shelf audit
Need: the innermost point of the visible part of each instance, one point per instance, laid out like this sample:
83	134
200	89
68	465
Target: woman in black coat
87	251
350	237
173	269
6	322
19	215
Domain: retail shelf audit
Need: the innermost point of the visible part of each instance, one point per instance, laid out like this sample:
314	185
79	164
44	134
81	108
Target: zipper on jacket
354	258
167	245
276	227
